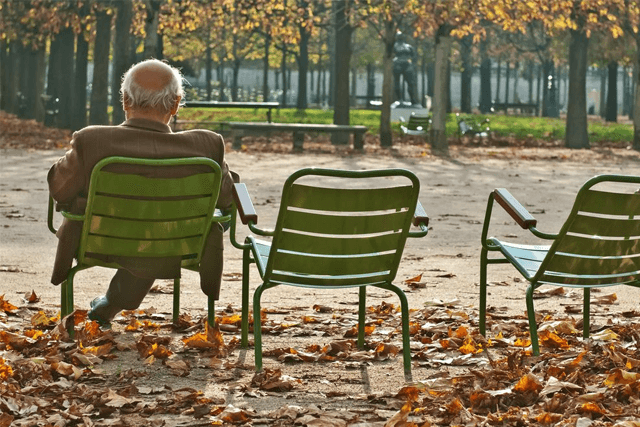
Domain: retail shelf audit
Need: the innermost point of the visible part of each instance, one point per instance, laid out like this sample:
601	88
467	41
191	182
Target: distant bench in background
217	104
522	107
239	129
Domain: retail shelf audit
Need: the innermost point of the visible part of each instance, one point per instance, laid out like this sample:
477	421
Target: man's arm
66	177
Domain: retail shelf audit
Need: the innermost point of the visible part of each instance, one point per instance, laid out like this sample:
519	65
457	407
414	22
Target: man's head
151	88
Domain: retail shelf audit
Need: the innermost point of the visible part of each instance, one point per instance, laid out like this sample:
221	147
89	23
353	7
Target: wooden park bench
269	106
239	129
522	107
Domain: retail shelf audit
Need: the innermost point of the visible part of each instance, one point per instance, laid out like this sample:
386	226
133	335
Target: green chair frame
330	238
417	125
467	126
596	247
132	215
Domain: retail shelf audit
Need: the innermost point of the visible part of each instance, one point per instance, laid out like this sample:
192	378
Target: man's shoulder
199	134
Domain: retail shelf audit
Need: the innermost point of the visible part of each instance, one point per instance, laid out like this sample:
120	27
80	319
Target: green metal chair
468	126
416	125
132	215
597	246
335	229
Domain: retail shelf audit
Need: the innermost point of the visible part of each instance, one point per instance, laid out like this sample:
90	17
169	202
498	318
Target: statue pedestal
404	109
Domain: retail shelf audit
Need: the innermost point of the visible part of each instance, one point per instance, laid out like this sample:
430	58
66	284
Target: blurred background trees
68	56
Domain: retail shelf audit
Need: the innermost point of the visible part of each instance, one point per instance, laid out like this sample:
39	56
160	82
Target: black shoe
99	307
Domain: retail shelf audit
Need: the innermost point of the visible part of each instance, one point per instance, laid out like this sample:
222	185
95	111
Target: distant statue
404	65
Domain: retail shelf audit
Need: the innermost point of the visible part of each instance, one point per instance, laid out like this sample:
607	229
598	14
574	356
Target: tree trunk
39	83
485	79
603	92
221	83
539	90
423	85
498	78
303	68
235	95
577	135
3	74
371	81
431	78
99	87
121	57
530	79
65	77
612	93
516	80
343	58
507	71
151	28
79	104
438	129
386	136
33	84
549	90
636	96
283	72
208	70
265	68
465	77
625	91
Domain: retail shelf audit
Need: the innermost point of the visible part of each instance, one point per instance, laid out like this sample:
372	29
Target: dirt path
454	193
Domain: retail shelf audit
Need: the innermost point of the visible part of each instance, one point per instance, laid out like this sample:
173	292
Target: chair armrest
514	208
245	205
420	216
50	215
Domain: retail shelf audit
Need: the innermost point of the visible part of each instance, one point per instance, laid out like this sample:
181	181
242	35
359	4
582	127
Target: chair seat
525	258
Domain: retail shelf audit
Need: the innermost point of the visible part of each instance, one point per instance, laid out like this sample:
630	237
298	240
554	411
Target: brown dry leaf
310	319
133	326
411	393
67	370
469	347
550	339
605	299
235	319
322	308
210	339
273	380
6	420
553	292
115	400
40	319
528	382
548	418
233	415
179	368
618	377
353	332
31	297
592	408
412	280
6	306
399	419
98	351
14	341
5	370
454	407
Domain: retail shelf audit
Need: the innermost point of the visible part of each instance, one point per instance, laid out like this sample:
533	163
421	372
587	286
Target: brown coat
69	184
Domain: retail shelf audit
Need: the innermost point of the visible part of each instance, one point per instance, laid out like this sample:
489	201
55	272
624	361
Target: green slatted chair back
132	212
599	244
350	232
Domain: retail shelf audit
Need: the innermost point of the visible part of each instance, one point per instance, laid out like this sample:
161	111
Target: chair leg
176	299
244	336
257	327
211	311
533	327
482	321
362	297
67	305
404	310
585	312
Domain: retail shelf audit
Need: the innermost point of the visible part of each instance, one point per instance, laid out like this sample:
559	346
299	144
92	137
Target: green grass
517	126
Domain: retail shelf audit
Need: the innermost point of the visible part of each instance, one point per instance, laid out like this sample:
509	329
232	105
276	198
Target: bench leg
358	141
298	140
340	138
237	138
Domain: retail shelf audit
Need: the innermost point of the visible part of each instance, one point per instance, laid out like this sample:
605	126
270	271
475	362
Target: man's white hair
143	98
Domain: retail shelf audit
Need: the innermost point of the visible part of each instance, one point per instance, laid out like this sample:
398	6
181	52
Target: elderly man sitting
151	93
